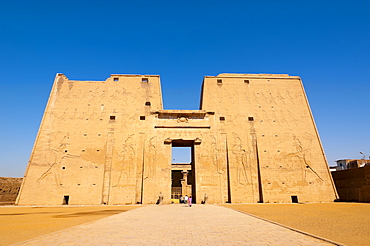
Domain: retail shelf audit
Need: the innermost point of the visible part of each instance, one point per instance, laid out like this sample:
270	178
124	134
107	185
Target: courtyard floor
345	223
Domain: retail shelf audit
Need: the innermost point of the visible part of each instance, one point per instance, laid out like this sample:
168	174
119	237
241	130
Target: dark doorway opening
182	170
294	199
65	200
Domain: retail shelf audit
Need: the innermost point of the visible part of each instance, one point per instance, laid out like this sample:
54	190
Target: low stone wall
9	189
353	184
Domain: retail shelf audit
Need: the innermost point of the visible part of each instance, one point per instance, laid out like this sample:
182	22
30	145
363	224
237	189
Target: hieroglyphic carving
150	162
229	165
301	152
240	157
60	154
126	159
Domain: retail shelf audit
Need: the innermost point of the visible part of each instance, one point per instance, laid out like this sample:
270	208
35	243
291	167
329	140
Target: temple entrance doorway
182	170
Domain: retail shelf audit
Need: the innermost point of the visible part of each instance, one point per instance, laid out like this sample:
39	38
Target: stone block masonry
109	142
9	189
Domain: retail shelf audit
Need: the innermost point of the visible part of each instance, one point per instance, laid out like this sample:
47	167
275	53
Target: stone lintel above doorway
176	142
181	114
181	166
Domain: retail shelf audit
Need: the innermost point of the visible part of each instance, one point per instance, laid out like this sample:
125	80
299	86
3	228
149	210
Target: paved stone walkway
177	225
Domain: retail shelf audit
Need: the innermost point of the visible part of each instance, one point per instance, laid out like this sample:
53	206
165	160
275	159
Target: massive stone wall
9	188
353	185
109	142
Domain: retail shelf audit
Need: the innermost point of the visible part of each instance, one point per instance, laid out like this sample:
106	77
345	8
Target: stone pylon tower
109	142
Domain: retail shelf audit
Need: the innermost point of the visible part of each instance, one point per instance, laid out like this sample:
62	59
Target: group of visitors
186	200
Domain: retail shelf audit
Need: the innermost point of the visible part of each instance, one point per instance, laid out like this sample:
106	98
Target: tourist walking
190	201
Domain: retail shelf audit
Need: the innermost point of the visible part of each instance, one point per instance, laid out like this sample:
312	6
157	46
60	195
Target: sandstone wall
273	144
109	142
353	184
90	138
9	189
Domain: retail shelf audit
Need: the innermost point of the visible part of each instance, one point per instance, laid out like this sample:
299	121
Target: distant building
353	184
350	163
9	189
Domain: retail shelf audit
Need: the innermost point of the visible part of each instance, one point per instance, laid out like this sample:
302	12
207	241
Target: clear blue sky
327	43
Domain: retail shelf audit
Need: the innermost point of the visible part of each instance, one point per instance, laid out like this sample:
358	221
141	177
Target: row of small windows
65	151
276	151
112	118
268	166
99	151
222	118
149	104
145	80
219	81
80	167
146	104
249	119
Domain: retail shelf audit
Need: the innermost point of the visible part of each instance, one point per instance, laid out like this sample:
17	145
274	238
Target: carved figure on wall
240	156
60	153
126	159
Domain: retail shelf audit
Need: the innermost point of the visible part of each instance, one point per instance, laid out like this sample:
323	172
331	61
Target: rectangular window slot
142	117
115	79
112	117
147	103
222	118
63	167
145	80
65	200
294	199
246	81
66	151
219	81
250	119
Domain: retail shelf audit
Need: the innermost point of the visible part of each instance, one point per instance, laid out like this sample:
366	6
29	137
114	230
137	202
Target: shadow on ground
90	213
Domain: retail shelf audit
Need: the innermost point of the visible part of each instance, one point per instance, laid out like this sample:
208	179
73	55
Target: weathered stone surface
109	142
353	184
9	188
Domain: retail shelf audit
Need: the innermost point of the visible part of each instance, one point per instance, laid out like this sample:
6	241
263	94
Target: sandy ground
23	223
346	223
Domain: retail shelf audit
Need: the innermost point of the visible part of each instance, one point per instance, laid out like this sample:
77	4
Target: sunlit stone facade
109	142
